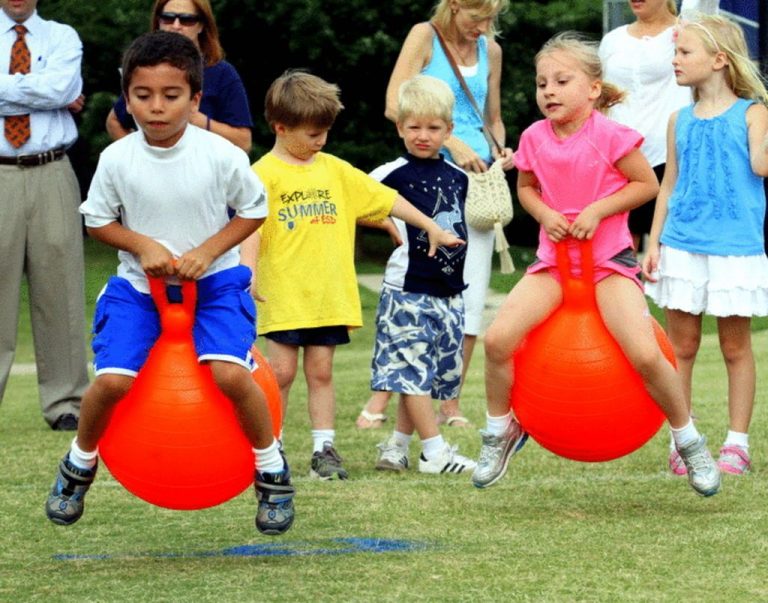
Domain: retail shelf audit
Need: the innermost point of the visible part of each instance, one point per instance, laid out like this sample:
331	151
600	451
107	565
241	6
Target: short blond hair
425	96
298	98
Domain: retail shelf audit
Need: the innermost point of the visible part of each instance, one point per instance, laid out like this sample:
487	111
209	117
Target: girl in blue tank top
706	253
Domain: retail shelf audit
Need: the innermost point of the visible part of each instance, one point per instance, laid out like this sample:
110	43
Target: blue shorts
419	344
126	323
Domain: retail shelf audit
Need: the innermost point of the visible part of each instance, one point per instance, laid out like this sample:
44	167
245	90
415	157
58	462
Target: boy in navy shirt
420	318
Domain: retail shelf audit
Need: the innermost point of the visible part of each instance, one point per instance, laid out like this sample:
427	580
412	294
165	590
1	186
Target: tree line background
353	43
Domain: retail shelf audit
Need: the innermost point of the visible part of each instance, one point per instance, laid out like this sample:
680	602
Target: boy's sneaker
703	473
676	464
449	461
495	454
275	495
392	456
734	459
66	501
326	464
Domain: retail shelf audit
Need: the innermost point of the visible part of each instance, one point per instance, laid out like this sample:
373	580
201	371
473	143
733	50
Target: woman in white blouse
638	58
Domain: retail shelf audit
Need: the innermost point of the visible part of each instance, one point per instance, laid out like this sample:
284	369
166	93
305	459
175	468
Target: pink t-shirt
576	171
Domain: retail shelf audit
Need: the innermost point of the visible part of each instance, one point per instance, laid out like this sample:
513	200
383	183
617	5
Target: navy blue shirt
224	98
438	189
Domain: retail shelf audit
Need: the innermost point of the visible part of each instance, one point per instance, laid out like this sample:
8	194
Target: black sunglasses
184	18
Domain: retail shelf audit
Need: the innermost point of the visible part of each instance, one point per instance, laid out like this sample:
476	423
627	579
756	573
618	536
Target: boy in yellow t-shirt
303	257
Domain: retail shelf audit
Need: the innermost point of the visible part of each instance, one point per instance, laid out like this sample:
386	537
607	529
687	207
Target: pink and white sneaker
734	460
676	464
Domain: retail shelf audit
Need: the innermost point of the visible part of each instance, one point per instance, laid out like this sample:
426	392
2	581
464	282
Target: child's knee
497	347
319	375
229	376
112	387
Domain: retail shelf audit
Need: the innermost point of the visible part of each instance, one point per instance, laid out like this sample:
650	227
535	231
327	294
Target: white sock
269	459
498	425
736	438
431	448
80	458
402	439
320	437
685	435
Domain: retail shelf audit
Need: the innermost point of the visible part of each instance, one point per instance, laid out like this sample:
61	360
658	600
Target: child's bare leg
531	301
318	370
96	407
272	478
416	412
684	332
736	345
284	360
237	384
77	470
625	313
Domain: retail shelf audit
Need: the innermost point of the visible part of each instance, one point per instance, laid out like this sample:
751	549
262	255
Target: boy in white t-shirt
160	195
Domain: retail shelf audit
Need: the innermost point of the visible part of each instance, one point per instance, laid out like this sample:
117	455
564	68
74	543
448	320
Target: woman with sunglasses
224	107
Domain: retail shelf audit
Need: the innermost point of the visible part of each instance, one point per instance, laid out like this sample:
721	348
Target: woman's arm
114	128
237	135
493	106
415	53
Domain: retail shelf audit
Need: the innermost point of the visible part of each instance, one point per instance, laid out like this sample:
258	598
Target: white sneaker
449	461
392	456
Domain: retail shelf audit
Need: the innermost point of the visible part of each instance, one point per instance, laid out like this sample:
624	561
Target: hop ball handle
575	392
174	440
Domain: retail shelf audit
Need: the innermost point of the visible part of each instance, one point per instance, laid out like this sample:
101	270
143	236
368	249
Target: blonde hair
210	47
425	96
672	7
442	13
720	34
584	51
298	98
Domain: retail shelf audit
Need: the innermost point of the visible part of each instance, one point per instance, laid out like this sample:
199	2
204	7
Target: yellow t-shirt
306	269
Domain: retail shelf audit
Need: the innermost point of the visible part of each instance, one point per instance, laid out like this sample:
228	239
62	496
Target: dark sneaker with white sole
326	464
275	495
66	501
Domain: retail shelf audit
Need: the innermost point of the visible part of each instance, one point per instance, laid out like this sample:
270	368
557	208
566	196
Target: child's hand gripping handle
174	317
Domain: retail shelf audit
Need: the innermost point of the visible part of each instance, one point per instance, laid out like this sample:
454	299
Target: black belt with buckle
34	160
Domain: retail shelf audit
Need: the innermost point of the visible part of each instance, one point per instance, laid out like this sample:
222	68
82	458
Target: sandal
453	420
370	420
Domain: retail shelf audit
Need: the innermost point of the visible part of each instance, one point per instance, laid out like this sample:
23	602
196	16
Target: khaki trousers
41	237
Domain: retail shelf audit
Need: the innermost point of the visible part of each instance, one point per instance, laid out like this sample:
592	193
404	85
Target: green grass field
552	530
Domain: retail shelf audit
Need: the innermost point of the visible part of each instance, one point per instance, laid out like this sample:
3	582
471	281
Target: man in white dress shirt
40	227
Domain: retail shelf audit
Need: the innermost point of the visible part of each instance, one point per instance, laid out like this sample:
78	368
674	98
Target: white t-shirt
643	68
177	196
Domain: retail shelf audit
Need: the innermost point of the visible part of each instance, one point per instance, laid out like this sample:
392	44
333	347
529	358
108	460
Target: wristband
208	122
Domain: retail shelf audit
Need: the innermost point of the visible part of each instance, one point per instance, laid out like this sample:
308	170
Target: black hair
158	47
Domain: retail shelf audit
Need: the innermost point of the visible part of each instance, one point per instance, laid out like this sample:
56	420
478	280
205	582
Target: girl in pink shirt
579	175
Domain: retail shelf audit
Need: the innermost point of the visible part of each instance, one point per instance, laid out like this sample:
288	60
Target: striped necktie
17	126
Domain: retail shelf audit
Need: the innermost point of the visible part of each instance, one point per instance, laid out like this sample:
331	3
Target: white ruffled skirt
711	284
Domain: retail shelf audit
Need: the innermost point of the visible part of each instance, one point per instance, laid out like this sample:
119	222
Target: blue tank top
718	204
467	124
